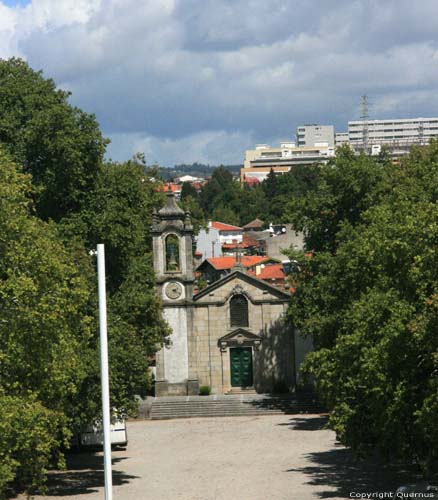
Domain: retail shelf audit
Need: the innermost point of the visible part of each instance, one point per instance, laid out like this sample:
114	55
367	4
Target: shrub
30	437
205	390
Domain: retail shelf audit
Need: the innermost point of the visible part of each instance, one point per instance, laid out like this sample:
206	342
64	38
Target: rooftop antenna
365	115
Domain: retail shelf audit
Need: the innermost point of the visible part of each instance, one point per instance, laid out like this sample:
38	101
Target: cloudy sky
203	80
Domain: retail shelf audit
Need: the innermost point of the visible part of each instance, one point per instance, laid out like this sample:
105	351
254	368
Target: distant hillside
196	170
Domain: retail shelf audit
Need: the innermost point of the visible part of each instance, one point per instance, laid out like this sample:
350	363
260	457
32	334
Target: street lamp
104	370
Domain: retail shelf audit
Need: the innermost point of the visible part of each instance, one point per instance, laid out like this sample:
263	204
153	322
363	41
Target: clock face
174	290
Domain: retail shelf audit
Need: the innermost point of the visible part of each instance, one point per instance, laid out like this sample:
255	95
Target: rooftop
224	227
221	263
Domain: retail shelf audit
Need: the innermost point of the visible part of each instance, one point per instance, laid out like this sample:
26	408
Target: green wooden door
241	366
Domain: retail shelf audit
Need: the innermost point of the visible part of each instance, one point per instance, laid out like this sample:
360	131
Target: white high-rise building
400	133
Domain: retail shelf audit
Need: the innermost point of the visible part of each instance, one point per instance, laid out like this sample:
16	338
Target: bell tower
172	235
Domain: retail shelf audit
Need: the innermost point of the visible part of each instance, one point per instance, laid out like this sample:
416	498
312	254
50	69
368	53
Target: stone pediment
240	337
247	282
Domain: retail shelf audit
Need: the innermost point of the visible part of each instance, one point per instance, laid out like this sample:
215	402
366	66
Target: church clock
173	290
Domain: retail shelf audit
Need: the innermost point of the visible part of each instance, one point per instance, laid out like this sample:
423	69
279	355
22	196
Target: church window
172	253
238	311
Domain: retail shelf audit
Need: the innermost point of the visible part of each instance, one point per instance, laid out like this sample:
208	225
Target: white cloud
204	147
191	80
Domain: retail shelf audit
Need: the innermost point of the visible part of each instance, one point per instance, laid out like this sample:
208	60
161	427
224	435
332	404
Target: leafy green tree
58	144
270	185
190	204
225	214
280	190
187	189
45	332
251	204
209	196
118	213
371	310
30	439
347	186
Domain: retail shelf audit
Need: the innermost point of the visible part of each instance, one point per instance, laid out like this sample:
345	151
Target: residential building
341	138
274	274
278	238
227	232
173	188
216	268
394	133
315	135
254	225
208	243
218	239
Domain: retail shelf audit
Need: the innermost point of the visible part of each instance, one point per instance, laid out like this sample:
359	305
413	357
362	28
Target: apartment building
341	138
316	135
400	133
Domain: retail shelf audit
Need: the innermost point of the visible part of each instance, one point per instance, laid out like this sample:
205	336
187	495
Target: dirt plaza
246	458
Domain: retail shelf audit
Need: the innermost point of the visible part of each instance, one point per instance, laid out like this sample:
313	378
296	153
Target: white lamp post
104	371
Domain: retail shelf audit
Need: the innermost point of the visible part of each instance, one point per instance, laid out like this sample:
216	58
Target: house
208	243
254	225
216	268
227	232
274	274
172	187
218	239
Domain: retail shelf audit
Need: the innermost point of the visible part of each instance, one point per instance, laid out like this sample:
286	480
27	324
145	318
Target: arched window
238	311
172	253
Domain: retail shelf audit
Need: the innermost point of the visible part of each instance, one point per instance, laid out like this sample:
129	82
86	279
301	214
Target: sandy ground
233	458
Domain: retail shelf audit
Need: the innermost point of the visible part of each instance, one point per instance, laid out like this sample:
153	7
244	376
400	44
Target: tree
347	186
118	213
371	310
270	185
45	334
190	204
225	214
58	144
279	190
187	189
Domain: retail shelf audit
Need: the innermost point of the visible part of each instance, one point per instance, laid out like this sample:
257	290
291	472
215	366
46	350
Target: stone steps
187	408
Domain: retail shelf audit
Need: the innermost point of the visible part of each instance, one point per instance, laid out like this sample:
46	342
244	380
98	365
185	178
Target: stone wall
272	363
176	366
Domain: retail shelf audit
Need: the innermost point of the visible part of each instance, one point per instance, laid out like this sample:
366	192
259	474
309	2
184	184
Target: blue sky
203	80
13	3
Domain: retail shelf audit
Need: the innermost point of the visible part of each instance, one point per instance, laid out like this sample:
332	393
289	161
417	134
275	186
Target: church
230	336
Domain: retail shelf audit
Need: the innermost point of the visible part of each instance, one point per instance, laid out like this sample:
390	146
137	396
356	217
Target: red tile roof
250	180
170	186
225	227
221	263
271	272
256	223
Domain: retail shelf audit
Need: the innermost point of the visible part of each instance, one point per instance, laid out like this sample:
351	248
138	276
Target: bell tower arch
172	235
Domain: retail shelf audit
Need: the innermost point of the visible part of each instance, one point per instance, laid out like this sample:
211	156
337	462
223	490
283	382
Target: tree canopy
59	145
58	200
44	330
368	299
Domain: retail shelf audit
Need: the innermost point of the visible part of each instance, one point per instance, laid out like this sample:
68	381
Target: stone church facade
229	336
